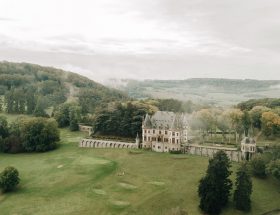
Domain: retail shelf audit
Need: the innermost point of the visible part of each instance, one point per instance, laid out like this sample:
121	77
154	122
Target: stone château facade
164	131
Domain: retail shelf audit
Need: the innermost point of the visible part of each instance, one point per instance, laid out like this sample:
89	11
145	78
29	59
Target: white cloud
144	38
106	27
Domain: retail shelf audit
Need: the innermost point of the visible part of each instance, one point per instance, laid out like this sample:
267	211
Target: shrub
9	179
11	144
39	135
258	166
175	152
274	168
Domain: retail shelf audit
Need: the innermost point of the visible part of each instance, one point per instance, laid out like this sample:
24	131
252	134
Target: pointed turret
137	140
147	122
177	122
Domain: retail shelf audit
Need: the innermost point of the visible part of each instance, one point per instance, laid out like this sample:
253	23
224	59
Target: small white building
248	148
164	131
86	128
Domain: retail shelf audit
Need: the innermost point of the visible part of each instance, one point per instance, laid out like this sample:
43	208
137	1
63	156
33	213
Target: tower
248	148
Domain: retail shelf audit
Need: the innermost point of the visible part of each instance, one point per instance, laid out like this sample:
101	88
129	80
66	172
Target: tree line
258	119
28	135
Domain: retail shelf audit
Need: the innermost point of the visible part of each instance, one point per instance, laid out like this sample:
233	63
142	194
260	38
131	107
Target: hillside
24	86
210	91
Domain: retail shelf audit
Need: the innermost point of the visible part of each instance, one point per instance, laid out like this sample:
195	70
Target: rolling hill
222	92
25	85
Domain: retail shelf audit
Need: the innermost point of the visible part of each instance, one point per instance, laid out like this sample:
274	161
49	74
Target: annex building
164	131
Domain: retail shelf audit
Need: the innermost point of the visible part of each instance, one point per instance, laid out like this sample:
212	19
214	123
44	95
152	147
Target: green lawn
72	180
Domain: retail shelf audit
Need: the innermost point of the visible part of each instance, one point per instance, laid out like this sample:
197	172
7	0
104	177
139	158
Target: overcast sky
145	39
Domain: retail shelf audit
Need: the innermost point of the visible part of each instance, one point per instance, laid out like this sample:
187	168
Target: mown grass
72	180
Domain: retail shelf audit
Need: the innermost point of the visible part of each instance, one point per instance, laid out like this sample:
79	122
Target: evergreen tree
214	188
243	189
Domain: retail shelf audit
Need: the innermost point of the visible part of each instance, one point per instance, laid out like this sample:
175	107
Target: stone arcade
93	143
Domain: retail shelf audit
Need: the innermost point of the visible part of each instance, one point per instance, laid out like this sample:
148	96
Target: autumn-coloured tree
270	124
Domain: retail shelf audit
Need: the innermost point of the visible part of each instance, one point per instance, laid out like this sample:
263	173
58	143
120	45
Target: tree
223	124
236	116
120	120
243	189
270	124
258	166
1	104
74	118
9	179
39	110
204	121
61	115
39	134
256	115
214	188
246	122
273	168
170	105
4	130
30	100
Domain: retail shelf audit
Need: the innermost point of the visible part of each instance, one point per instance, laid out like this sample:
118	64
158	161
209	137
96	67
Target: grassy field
72	180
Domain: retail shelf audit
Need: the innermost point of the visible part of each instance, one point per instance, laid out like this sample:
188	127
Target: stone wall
93	143
209	151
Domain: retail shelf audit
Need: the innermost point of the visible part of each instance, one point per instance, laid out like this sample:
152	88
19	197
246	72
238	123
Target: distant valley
220	92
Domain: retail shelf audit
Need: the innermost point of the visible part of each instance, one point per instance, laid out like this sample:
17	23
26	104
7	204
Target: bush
11	144
9	179
258	166
39	135
274	168
175	152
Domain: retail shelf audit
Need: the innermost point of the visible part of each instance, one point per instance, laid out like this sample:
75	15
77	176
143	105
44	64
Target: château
164	131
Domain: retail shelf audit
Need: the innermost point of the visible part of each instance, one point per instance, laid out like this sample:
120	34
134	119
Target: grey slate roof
248	140
165	120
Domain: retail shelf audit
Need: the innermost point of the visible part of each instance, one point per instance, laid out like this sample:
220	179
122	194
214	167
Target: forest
72	99
31	89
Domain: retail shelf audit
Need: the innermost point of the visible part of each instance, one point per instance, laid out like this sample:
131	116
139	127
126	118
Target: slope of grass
72	180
